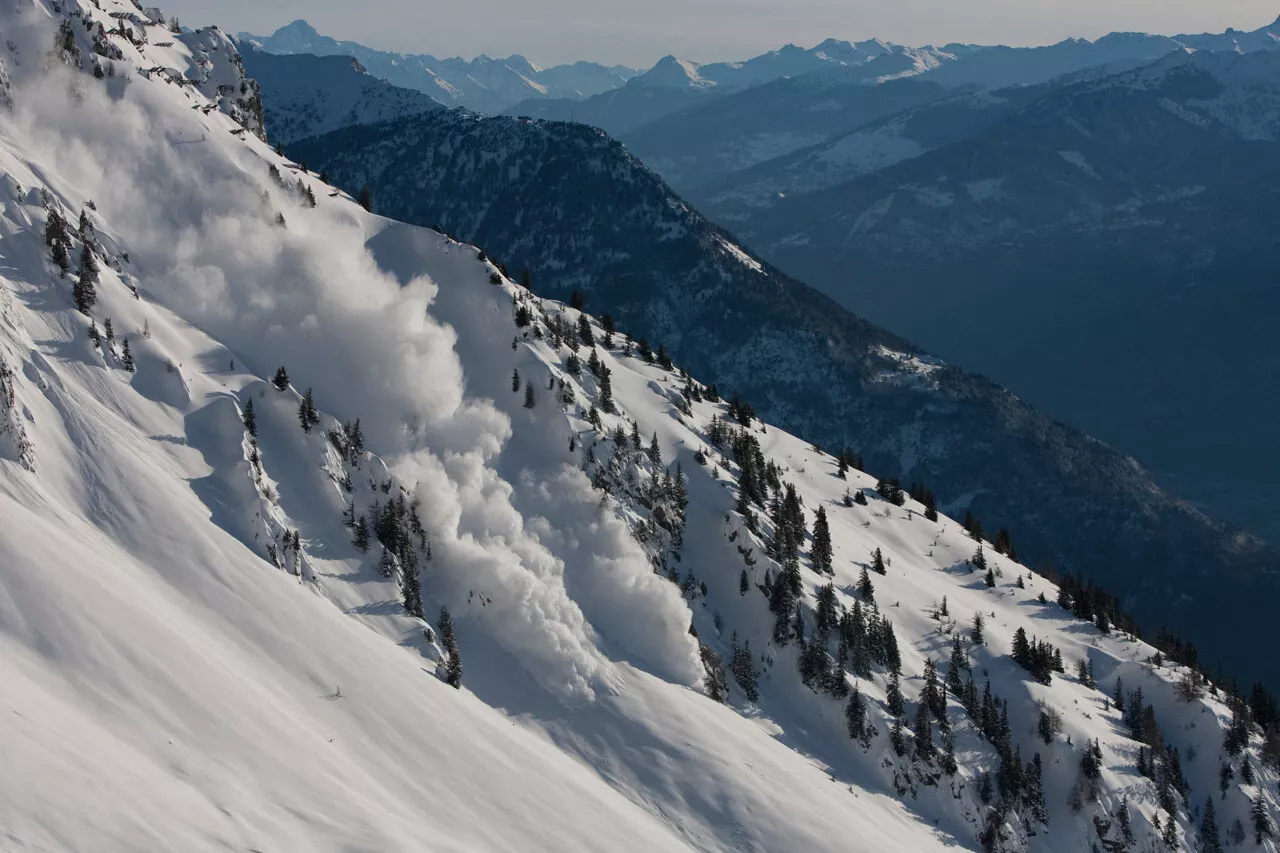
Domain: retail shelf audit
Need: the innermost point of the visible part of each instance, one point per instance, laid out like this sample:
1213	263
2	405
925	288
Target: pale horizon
611	33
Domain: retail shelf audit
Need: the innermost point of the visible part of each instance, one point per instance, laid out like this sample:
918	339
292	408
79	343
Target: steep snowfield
179	676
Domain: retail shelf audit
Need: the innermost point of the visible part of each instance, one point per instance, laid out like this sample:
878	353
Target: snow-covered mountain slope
213	585
311	95
482	84
579	212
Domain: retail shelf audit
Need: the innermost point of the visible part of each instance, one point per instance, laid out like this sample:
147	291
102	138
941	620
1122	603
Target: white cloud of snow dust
191	210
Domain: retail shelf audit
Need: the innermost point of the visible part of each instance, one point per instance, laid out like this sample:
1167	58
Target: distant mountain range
482	84
311	95
618	99
1103	246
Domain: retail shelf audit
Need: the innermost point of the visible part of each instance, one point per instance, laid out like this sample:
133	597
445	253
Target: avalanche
198	655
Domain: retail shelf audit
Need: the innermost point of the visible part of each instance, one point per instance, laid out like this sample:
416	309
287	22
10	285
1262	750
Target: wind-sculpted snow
205	647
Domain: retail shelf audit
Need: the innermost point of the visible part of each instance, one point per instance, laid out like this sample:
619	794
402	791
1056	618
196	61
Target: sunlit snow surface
167	688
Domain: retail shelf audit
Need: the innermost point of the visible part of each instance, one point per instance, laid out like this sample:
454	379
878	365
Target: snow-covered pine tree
743	668
821	552
360	535
250	419
1261	820
85	291
449	640
281	379
855	715
1210	838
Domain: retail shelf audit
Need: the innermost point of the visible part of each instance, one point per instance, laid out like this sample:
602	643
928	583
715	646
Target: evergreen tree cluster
1093	604
890	490
743	668
716	685
398	529
449	642
845	460
1037	657
789	531
922	495
308	415
348	440
57	238
85	291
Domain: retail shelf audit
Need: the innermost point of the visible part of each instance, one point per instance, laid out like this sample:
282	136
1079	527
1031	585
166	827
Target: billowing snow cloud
198	214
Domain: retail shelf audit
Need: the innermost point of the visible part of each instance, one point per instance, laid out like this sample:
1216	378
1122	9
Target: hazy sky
639	32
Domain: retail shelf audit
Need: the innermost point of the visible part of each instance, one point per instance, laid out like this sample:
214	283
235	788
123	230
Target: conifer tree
366	200
126	358
250	419
855	715
922	728
281	379
450	643
411	590
894	700
860	498
360	535
606	389
990	578
1210	839
930	507
1045	727
975	633
821	553
94	335
655	454
86	290
57	239
877	562
956	667
744	583
1033	790
1261	821
108	330
897	739
1125	821
529	400
515	380
743	668
308	417
947	761
865	587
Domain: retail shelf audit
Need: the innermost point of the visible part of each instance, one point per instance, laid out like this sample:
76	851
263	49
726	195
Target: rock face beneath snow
579	212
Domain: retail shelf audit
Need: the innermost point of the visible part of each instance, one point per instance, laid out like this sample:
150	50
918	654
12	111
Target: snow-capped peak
671	72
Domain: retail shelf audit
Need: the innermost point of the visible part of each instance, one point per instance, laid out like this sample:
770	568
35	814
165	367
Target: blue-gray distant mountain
310	95
482	84
732	132
577	210
1108	250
